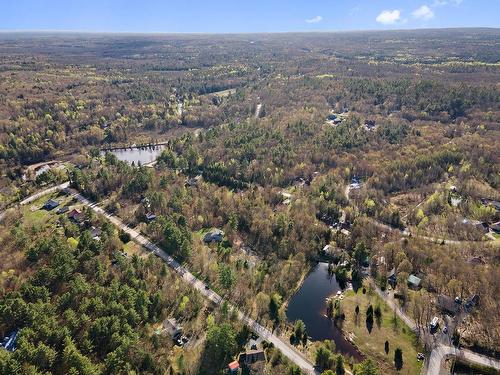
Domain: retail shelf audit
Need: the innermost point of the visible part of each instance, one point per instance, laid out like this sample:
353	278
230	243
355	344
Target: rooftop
414	280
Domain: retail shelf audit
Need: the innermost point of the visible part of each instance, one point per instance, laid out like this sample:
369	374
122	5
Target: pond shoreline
308	304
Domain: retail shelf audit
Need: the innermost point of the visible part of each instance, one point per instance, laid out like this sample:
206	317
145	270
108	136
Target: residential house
491	202
414	282
447	305
95	233
76	216
172	328
252	356
215	235
234	367
483	227
150	216
193	181
472	302
50	204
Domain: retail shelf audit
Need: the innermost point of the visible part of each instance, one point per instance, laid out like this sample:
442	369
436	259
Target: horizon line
62	31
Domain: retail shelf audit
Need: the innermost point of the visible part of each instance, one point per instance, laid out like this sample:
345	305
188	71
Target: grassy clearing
321	76
132	248
390	328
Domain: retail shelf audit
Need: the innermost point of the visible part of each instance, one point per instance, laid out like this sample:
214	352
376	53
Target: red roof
233	366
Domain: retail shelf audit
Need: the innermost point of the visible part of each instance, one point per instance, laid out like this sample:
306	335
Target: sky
234	16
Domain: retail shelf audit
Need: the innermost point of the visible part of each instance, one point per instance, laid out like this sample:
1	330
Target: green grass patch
321	76
389	328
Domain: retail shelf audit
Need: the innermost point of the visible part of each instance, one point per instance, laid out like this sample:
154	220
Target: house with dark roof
392	278
215	235
252	356
472	302
62	210
447	305
50	204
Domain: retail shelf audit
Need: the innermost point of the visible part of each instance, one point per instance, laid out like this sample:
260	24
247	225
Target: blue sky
219	16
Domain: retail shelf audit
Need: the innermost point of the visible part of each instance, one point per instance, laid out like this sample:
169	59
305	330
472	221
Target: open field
390	329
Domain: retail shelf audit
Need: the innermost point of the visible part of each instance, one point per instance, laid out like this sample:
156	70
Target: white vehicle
434	323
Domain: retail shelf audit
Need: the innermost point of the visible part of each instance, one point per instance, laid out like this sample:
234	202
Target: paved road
286	349
406	233
51	190
40	194
389	301
441	351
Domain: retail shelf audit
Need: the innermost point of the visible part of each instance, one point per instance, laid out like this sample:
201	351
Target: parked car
434	324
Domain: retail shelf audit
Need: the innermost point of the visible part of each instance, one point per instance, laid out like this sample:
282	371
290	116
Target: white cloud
315	19
438	3
389	17
423	13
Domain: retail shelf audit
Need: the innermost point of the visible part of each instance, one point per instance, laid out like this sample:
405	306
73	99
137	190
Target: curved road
441	351
405	232
292	354
40	194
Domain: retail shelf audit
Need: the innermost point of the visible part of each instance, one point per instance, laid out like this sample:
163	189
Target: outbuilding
414	282
50	204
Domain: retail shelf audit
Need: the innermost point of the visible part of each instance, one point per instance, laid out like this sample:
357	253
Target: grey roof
447	304
414	280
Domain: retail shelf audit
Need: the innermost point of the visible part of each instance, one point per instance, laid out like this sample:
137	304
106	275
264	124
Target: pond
143	155
309	305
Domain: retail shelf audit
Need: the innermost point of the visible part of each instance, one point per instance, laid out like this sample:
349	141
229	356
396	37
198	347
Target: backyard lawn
372	342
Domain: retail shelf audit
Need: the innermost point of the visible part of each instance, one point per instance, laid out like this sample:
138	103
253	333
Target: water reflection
309	305
136	155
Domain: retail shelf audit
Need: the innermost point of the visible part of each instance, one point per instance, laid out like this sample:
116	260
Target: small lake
309	305
144	155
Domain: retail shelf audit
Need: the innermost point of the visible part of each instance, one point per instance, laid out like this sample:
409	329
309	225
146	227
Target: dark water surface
309	305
